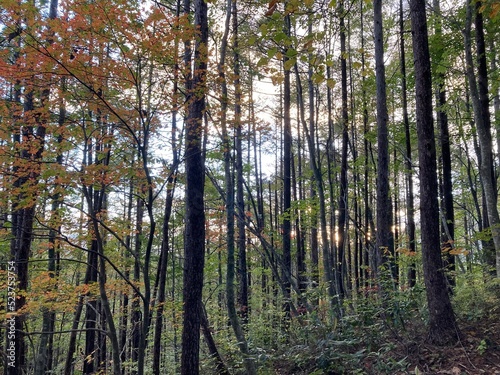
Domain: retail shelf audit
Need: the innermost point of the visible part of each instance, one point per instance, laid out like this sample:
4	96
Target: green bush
475	298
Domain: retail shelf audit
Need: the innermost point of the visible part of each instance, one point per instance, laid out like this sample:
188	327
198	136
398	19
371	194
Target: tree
410	206
442	326
194	239
384	207
446	188
480	104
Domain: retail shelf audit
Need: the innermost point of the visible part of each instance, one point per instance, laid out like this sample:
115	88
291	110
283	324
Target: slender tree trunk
480	105
44	361
220	367
410	205
137	314
242	297
287	160
448	235
385	241
31	144
442	325
364	257
342	203
194	243
230	197
318	179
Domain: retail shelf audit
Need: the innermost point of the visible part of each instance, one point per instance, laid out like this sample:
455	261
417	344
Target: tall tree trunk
287	162
448	235
240	197
410	205
124	320
442	325
318	178
44	361
30	144
385	241
136	313
364	257
480	105
230	196
342	203
194	243
166	242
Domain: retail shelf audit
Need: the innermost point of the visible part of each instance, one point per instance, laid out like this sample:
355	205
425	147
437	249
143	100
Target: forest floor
478	352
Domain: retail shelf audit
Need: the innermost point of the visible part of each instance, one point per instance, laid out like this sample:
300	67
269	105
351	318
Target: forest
249	187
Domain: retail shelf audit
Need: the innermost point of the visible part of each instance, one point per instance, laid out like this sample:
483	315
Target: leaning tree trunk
442	325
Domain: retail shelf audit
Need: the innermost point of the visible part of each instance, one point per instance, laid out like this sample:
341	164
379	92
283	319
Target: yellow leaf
318	78
495	9
459	251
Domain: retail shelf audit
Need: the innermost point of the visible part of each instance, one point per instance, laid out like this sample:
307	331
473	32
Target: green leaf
291	52
262	61
272	52
263	29
280	36
318	78
289	64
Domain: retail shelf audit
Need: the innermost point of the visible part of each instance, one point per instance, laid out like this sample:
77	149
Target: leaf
277	79
262	61
263	29
308	45
279	37
330	82
271	52
459	251
495	9
271	7
289	64
318	78
291	52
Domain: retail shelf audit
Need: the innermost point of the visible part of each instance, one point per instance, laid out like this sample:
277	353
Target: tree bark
242	297
410	199
479	98
343	197
442	325
194	242
448	232
385	241
287	188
